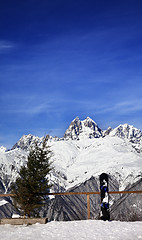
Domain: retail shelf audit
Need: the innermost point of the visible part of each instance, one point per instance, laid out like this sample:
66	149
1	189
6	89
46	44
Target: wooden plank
88	205
124	192
86	193
21	221
6	195
78	193
73	193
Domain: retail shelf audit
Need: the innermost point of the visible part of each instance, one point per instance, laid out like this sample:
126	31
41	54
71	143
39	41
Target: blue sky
60	59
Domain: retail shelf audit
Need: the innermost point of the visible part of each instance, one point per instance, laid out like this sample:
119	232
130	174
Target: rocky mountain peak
126	131
74	129
26	141
78	129
88	122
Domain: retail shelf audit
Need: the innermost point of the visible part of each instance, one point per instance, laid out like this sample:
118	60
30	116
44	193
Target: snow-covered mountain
84	152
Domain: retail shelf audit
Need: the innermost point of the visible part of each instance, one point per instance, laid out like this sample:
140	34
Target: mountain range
79	157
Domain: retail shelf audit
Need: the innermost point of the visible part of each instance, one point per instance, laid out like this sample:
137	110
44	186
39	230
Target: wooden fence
80	193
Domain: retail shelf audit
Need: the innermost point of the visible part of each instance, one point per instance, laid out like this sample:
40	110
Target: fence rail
75	193
79	193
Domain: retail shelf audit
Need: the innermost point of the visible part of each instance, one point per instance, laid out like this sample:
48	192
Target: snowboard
105	215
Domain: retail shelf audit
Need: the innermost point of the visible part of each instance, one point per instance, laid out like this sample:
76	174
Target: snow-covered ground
75	230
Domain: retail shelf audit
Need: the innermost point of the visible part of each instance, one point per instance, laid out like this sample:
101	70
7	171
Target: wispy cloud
122	107
5	45
30	104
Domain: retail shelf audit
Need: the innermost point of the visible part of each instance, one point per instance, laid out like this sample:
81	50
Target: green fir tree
32	184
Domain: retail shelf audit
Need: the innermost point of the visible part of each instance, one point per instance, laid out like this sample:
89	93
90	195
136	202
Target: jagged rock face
2	188
78	129
7	209
107	132
26	141
132	134
74	207
74	129
95	132
129	206
127	131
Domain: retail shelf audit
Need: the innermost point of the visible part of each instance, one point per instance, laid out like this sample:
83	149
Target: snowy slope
79	160
94	230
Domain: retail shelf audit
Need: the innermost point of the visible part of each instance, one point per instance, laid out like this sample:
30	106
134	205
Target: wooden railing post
88	205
